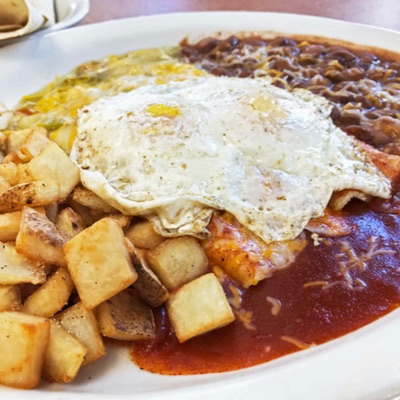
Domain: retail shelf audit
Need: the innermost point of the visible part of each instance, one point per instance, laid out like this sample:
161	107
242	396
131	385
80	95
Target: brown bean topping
363	88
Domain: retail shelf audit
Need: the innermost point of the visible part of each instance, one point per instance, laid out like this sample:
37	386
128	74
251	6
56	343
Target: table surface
383	13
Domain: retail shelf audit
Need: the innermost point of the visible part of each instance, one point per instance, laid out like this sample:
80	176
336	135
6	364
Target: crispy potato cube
9	225
9	171
39	239
12	158
198	307
82	325
178	261
89	199
149	287
15	139
51	297
23	342
38	193
126	317
64	355
34	143
16	268
84	212
10	298
69	222
99	262
143	235
4	184
123	220
23	174
53	164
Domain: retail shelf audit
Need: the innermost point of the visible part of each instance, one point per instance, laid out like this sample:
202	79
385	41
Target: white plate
69	13
362	365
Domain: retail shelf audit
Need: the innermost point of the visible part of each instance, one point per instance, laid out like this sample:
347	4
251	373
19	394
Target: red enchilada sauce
316	303
336	284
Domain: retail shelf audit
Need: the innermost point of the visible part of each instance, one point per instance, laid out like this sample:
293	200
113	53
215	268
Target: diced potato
15	139
9	225
143	235
10	298
123	220
23	174
64	355
84	212
53	164
39	239
178	261
4	184
148	285
16	268
89	199
23	342
126	317
38	193
99	262
12	158
69	222
34	143
82	324
9	171
96	214
198	307
51	297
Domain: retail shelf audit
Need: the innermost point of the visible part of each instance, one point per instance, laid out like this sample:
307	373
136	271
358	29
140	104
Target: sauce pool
332	288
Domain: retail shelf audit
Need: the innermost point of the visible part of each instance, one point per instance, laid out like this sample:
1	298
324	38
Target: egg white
270	157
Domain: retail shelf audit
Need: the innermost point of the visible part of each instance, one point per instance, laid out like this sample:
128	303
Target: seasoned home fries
215	222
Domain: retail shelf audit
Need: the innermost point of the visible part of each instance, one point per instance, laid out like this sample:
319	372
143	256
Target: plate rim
92	27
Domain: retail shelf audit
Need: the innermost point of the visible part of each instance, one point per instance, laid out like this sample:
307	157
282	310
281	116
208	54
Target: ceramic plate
362	365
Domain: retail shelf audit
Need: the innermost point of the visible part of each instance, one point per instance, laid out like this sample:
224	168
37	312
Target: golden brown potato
23	342
198	307
51	297
4	184
99	262
69	222
126	317
16	268
178	261
123	220
82	324
15	139
64	355
53	164
9	171
12	158
10	298
34	194
9	226
148	285
39	239
83	212
89	199
143	235
34	143
23	174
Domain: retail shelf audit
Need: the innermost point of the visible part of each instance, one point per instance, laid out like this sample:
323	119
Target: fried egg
176	152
